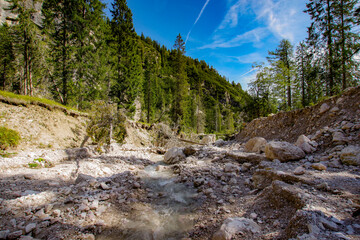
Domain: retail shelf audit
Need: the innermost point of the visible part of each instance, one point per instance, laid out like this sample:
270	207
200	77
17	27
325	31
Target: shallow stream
169	214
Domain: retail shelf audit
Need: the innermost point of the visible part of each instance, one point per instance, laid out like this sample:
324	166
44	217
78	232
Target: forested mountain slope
76	56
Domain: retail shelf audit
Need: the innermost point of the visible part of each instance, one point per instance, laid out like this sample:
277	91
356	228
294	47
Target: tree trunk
343	53
330	50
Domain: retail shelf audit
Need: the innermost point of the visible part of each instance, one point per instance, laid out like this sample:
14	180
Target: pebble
341	235
253	215
104	186
299	171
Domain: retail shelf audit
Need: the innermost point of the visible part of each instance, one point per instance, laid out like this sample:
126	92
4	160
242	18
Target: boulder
350	155
339	138
188	151
174	155
232	226
256	145
324	107
219	143
283	151
83	178
305	144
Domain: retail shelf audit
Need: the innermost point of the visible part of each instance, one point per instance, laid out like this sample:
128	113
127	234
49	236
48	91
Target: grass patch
8	138
40	163
25	99
5	154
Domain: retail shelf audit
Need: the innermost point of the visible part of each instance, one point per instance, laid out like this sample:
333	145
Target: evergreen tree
27	42
7	56
60	16
181	85
282	63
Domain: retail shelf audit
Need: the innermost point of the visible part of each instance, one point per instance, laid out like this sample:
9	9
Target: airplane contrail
201	12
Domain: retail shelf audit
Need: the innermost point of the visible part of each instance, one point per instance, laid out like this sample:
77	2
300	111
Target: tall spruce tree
7	57
128	65
282	63
181	84
60	16
26	42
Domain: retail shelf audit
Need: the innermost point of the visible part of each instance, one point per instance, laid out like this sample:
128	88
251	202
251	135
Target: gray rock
341	235
83	177
219	143
15	235
329	224
256	145
229	167
4	234
174	155
350	155
305	144
30	227
232	226
188	151
339	138
243	157
283	151
324	107
299	171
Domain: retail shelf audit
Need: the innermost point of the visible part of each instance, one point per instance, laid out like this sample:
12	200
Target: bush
8	138
105	117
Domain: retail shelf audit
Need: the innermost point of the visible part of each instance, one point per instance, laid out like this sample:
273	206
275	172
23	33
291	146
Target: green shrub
103	117
40	162
8	138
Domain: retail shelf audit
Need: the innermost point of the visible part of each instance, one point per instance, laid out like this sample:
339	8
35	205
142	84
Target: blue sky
229	35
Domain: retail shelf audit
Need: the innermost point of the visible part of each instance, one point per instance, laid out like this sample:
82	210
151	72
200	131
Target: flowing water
168	216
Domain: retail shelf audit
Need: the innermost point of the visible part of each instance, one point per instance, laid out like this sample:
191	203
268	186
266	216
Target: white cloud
252	36
232	16
281	18
251	58
284	18
197	19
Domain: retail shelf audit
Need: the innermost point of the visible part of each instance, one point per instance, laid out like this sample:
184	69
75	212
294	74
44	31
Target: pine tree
27	42
60	16
181	84
7	56
128	65
282	62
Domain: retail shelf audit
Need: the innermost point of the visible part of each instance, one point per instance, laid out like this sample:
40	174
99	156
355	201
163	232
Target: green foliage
40	163
33	100
106	123
8	138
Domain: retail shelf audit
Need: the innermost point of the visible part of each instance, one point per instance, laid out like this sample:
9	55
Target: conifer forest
76	55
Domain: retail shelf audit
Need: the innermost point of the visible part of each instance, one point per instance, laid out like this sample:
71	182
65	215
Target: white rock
104	186
174	155
232	226
256	145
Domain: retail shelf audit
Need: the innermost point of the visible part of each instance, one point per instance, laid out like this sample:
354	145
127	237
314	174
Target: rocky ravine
307	188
